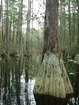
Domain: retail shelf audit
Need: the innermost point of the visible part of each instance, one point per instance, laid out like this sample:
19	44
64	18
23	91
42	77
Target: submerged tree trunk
52	86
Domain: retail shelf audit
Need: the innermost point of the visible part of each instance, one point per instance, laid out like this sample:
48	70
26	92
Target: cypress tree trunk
6	31
0	11
69	28
52	86
1	18
61	20
74	23
3	39
19	29
28	34
77	59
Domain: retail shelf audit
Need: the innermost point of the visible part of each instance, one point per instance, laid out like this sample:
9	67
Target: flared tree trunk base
52	86
48	100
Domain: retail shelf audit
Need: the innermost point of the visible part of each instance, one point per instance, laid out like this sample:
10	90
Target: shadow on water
16	85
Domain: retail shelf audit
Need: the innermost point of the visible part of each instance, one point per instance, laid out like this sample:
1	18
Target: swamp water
16	84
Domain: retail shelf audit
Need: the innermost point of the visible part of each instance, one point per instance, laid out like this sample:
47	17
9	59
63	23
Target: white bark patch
52	78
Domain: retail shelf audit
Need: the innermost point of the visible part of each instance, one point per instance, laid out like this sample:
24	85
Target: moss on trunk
52	79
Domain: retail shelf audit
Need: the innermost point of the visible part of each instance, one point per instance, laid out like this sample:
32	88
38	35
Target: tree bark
52	85
6	31
19	29
77	56
28	27
51	27
1	19
0	11
69	28
74	22
28	33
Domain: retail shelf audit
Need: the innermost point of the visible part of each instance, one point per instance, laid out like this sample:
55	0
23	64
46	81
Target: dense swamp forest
39	52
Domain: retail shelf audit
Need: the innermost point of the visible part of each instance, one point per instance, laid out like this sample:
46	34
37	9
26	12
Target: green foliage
37	39
74	48
2	47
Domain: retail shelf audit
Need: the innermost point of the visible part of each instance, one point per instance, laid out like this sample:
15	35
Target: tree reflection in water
16	86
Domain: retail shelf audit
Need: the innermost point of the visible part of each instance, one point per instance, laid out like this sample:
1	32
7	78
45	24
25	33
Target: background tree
0	10
19	29
77	57
28	26
28	34
69	27
7	29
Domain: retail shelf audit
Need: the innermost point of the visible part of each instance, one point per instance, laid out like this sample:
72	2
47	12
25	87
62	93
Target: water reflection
16	85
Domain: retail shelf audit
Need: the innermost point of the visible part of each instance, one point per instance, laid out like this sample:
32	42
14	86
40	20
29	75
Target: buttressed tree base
52	86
